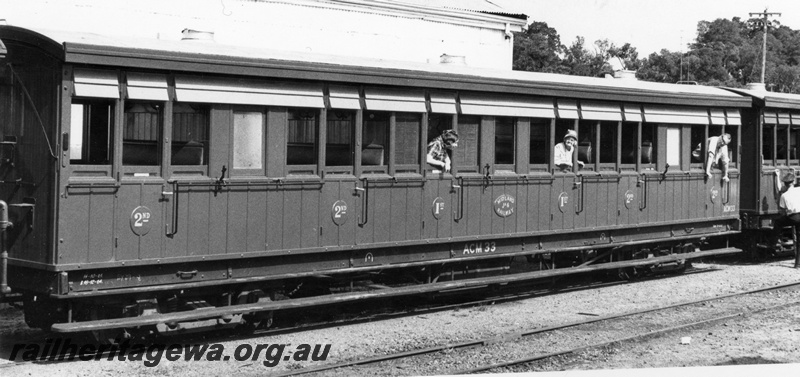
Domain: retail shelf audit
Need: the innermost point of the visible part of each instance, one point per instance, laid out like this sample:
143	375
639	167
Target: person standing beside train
439	150
564	151
789	206
717	152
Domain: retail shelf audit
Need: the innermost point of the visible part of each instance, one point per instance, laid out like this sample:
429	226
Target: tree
537	49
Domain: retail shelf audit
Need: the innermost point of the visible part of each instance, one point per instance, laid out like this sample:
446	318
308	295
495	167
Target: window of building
190	128
141	134
91	135
248	141
301	146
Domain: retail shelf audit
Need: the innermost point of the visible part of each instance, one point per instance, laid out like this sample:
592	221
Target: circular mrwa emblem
714	194
438	208
140	220
504	205
630	197
563	200
339	212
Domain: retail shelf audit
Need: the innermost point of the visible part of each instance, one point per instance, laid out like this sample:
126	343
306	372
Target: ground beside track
772	337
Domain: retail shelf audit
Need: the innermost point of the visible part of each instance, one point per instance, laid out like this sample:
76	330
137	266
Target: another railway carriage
770	139
169	185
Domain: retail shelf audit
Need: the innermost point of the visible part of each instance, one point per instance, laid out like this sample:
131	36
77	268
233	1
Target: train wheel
108	336
253	321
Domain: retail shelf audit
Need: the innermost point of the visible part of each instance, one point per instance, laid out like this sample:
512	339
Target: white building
476	31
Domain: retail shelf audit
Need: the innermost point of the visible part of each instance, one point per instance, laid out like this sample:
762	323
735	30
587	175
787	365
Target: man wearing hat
717	150
564	151
789	206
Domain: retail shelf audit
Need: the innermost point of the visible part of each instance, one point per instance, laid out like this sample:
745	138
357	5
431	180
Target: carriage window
90	133
698	143
781	143
375	140
733	147
141	134
189	134
407	129
339	139
767	140
649	146
504	141
466	154
248	138
301	146
608	143
540	138
629	136
587	134
793	155
674	147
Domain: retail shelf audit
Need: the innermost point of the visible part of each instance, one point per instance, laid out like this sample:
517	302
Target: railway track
442	302
511	338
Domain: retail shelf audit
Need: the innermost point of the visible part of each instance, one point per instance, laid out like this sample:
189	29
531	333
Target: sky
648	25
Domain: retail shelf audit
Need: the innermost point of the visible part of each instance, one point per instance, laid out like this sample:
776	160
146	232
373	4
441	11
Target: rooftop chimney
197	35
453	59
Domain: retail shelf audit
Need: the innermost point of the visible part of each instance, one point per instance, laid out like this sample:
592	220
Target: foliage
725	53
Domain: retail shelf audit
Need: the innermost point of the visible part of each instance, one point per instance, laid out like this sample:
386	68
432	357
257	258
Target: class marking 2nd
479	247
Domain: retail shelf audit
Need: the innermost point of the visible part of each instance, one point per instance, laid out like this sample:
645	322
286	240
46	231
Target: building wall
358	29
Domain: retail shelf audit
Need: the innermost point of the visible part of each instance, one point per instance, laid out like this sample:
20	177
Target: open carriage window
375	143
189	134
608	145
339	138
540	140
141	134
630	150
649	146
91	126
698	145
782	146
504	150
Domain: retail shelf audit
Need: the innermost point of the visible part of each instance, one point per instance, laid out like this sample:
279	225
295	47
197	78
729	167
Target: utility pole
765	14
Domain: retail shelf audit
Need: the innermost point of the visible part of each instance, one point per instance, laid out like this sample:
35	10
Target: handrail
458	214
578	184
643	184
4	224
364	201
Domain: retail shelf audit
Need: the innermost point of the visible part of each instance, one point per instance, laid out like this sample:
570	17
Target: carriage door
143	194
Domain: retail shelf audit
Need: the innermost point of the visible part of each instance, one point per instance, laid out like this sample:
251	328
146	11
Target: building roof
480	6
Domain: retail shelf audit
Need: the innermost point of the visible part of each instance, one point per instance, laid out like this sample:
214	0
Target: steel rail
626	339
516	335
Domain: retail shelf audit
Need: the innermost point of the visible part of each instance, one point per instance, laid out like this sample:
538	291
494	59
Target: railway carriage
176	185
770	140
